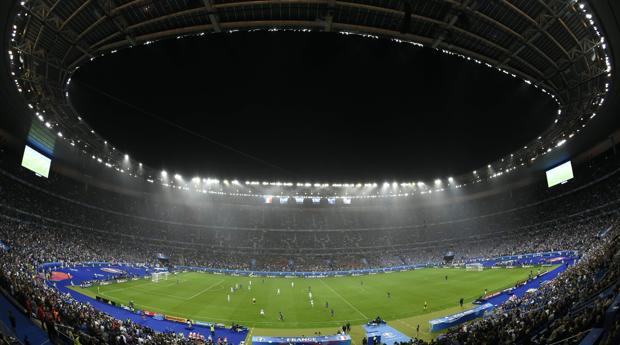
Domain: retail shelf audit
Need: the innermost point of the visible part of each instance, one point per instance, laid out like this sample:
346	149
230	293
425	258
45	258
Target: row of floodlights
210	181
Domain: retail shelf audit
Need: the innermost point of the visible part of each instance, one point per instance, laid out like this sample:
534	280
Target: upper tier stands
193	229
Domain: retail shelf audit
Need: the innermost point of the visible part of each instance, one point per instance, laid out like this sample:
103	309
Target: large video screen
559	174
36	162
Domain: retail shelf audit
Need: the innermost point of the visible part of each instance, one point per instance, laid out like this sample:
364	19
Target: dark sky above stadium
317	106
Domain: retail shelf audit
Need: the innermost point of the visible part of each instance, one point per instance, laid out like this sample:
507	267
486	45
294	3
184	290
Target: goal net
474	267
157	276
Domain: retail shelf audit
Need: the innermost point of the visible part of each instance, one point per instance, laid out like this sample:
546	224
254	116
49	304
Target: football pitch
204	297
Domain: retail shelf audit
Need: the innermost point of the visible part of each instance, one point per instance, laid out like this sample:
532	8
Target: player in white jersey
278	292
228	297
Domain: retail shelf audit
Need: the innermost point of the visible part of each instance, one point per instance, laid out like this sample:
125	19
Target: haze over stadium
309	172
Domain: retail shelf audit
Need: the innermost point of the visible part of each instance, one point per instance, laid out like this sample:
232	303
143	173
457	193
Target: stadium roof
554	45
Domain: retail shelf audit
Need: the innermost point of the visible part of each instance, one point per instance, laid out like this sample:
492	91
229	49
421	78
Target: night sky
317	106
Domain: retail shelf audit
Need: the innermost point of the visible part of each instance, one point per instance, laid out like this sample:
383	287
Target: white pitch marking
345	301
206	289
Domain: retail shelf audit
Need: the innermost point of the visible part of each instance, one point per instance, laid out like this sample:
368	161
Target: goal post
476	266
157	276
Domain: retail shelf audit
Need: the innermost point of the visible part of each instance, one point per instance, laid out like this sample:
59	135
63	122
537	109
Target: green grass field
203	297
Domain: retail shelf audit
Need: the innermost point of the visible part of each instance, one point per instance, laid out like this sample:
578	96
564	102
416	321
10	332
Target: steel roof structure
554	45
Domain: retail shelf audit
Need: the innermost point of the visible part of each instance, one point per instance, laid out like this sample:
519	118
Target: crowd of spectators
40	223
386	234
31	245
561	311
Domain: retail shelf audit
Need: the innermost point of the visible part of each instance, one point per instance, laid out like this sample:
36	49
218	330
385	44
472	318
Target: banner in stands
323	340
531	259
59	276
112	270
459	318
56	265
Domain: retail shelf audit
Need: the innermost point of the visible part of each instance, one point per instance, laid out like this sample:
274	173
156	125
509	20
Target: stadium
309	172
